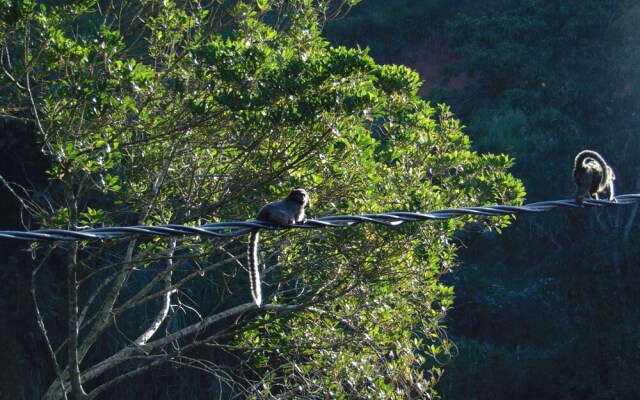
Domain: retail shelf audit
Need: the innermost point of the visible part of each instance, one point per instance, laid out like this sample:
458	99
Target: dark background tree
545	311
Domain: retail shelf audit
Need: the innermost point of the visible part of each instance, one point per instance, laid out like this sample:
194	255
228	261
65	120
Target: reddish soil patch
429	62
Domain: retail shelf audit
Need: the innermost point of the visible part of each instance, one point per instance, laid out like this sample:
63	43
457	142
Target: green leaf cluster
179	114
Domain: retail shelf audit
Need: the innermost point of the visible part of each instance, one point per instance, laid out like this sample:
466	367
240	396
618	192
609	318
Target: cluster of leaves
166	113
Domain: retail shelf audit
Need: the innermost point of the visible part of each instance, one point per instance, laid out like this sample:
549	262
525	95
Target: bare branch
41	324
34	108
166	301
77	391
23	202
145	350
104	314
6	71
142	297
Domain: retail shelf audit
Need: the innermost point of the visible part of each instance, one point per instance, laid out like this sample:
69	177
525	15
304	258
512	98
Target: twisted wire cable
228	229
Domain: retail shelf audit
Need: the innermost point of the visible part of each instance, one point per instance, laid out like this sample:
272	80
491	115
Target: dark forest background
547	309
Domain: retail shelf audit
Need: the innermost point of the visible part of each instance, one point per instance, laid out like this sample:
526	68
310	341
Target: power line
228	229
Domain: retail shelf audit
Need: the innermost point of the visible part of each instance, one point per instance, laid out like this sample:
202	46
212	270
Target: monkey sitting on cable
593	177
288	211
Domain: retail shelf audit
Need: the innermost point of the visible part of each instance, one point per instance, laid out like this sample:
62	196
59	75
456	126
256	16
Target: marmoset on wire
593	177
288	211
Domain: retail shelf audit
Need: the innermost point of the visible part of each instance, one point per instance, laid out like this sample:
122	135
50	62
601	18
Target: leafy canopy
171	113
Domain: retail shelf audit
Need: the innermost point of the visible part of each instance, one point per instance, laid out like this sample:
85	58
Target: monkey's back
594	169
281	212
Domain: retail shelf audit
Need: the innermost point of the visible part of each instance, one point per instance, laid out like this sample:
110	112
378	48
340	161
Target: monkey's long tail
254	268
607	173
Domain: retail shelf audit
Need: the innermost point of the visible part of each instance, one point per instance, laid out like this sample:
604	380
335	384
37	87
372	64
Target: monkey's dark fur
593	177
288	211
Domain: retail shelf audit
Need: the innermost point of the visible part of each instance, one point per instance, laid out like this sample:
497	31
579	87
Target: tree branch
41	324
145	350
103	317
166	301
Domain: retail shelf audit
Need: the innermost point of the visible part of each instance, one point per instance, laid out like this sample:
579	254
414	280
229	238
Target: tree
155	113
553	297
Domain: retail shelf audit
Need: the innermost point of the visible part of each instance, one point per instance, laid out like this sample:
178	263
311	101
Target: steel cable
228	229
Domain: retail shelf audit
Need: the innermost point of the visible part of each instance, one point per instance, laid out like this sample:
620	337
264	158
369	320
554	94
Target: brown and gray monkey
288	211
593	177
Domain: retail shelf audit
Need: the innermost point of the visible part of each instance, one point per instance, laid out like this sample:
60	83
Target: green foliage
551	81
173	121
395	32
543	312
556	63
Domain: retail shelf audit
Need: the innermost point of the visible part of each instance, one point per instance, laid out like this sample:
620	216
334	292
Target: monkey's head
299	196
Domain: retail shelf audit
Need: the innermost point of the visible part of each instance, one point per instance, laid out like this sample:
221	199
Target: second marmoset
593	177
